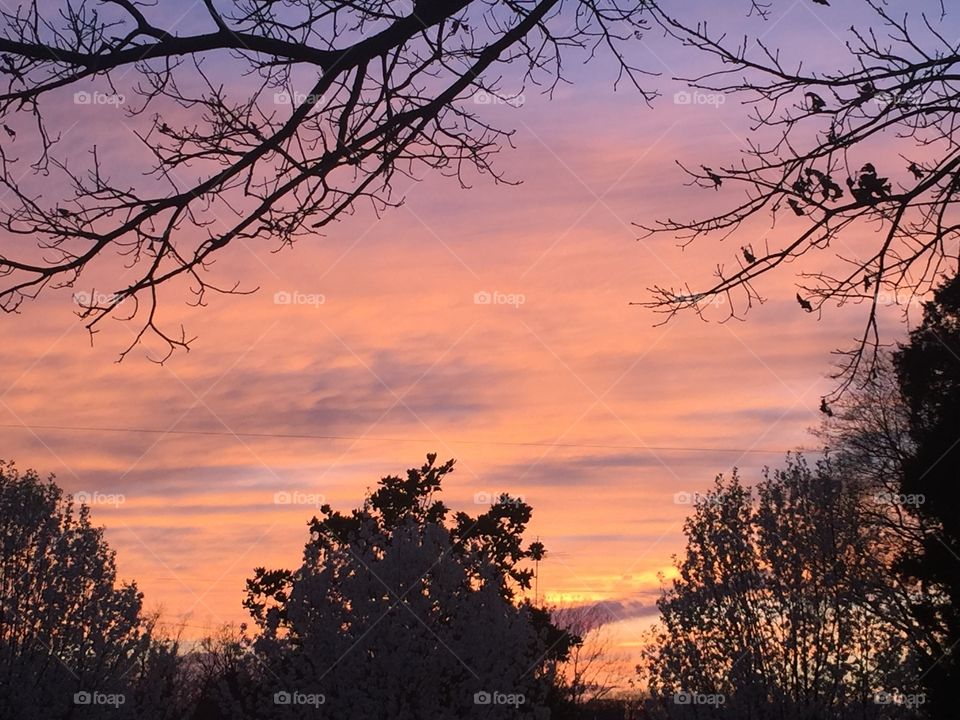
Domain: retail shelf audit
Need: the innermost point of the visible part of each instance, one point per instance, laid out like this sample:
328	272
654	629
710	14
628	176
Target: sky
370	346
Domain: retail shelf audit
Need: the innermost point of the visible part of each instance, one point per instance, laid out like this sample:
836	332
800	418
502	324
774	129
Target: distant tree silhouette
928	367
591	671
782	607
868	148
400	610
868	433
235	151
873	442
220	666
869	443
66	626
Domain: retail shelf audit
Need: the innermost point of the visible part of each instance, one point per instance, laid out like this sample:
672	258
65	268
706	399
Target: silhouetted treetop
928	369
398	607
489	541
74	642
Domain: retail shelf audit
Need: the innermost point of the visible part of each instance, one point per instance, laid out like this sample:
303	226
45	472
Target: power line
372	438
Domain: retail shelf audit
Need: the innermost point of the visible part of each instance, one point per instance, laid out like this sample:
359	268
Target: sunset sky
569	397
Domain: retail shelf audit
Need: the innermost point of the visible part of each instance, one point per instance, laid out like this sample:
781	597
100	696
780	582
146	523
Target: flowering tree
399	610
783	607
73	643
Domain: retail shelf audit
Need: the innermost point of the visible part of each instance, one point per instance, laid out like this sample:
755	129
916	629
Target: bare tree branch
831	155
391	94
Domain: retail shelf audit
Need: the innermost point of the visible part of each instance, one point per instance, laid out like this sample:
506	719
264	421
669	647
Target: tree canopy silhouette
400	607
783	606
73	641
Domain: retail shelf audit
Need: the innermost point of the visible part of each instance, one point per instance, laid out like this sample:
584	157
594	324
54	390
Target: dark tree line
400	607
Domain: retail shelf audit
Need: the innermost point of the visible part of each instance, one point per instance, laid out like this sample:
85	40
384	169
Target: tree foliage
66	625
781	606
399	608
928	368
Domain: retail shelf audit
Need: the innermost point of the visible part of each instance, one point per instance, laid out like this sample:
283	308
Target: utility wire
309	436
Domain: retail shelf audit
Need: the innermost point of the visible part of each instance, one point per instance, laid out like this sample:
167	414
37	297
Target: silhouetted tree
73	643
928	367
591	671
400	610
868	432
869	442
872	444
780	606
865	148
239	151
221	672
